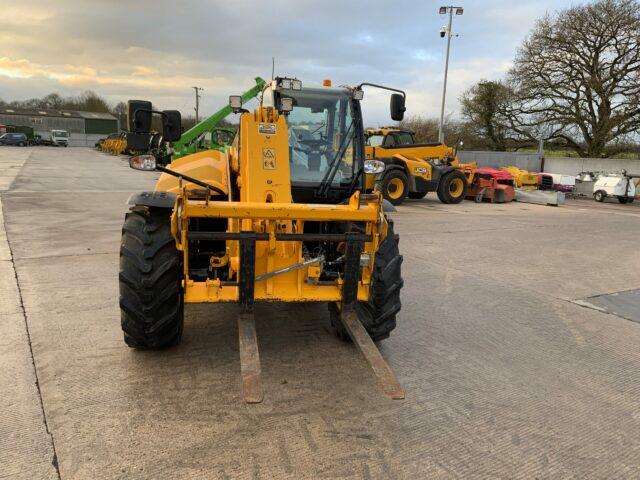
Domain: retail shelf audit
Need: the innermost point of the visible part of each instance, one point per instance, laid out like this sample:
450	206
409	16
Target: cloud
142	71
160	49
20	68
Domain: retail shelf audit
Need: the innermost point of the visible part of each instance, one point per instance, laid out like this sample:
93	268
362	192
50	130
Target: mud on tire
378	315
151	298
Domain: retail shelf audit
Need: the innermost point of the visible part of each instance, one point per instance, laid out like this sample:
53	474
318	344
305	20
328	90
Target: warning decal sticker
269	158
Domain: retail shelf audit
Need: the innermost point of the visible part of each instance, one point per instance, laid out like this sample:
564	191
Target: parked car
19	139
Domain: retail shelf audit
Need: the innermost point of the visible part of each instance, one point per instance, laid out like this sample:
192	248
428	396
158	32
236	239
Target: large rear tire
378	315
151	297
452	187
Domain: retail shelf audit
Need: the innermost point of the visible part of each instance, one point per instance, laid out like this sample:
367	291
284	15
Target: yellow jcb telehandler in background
108	143
415	169
279	216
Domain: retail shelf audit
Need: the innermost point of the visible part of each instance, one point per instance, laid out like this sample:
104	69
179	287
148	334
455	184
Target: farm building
85	128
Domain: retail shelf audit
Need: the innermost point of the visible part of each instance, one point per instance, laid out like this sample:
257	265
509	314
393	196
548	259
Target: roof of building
96	115
56	113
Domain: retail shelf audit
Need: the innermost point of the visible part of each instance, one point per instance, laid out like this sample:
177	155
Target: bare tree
120	112
577	77
53	101
426	130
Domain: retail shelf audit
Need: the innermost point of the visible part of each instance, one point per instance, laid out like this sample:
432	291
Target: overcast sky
158	49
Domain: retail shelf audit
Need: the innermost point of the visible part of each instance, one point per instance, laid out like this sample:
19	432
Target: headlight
285	83
143	162
290	83
235	102
286	104
373	166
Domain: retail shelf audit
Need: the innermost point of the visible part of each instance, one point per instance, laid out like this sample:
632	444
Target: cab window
404	138
375	140
390	141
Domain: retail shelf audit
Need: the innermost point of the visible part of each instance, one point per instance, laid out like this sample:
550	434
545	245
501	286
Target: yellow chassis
271	221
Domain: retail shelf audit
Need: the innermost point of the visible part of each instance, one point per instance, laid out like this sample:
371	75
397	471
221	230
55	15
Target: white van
59	138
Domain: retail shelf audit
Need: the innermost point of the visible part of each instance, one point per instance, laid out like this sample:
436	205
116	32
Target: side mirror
139	116
171	125
137	141
397	107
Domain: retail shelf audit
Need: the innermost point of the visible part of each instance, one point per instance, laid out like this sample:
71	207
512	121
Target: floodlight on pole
447	30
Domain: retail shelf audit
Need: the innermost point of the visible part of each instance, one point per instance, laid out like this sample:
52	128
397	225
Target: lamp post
446	31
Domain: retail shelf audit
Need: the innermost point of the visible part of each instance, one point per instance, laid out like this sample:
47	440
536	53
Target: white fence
534	162
526	161
573	166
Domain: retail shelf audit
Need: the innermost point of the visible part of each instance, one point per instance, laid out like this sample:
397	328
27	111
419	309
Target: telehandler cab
280	215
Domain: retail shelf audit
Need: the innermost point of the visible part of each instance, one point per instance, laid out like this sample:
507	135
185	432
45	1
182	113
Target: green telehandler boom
189	141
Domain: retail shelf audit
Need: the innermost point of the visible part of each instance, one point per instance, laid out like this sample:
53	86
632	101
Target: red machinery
493	185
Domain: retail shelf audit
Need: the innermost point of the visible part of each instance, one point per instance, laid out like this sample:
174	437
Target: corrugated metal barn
85	128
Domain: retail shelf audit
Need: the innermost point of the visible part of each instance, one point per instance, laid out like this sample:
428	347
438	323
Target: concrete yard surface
510	371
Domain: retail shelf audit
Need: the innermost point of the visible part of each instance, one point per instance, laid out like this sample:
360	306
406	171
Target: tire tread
151	300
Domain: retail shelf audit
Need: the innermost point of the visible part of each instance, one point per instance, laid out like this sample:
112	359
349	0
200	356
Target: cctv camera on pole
446	30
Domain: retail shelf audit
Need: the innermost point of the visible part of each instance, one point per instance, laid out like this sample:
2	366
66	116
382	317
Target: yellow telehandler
279	216
415	169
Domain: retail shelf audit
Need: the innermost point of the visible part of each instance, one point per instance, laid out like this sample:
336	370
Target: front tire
151	297
624	200
394	186
452	187
378	315
599	196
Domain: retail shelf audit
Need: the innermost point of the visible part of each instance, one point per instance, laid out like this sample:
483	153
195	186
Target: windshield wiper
321	126
332	170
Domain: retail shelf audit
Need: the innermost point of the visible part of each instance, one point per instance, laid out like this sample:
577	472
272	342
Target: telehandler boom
280	215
